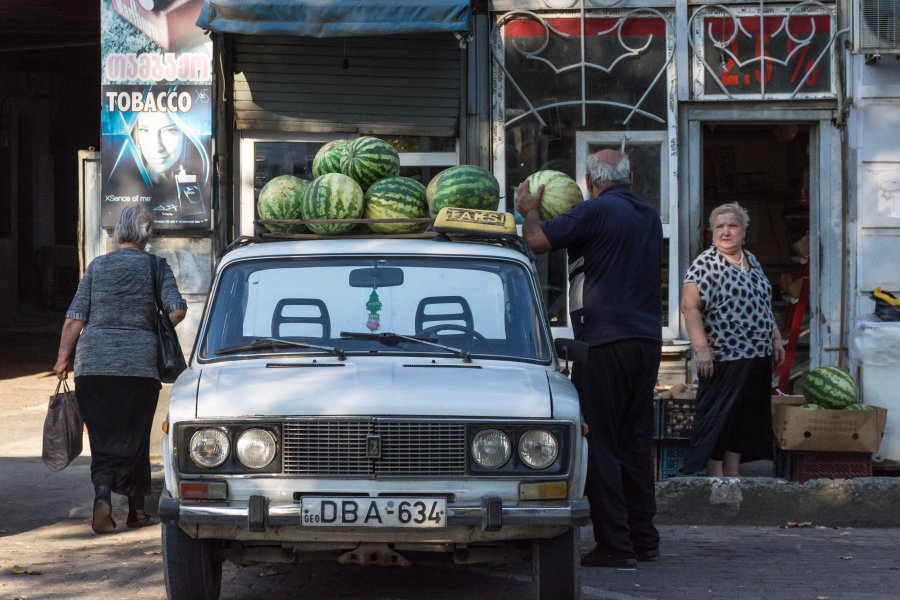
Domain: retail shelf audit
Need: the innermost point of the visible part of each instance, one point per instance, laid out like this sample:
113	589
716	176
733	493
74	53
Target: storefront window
264	156
784	54
574	84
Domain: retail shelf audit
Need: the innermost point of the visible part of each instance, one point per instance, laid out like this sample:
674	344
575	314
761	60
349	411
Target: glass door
654	182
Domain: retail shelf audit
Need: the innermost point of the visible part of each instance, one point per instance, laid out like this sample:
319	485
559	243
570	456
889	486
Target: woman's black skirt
733	413
118	413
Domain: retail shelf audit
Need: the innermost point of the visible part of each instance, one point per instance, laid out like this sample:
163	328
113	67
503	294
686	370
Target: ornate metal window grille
620	22
763	52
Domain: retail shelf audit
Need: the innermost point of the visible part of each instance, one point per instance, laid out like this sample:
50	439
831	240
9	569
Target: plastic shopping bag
63	429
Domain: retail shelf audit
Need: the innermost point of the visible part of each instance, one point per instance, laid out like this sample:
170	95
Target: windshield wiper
390	338
268	342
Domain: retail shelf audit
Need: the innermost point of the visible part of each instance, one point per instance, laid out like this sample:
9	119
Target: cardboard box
825	430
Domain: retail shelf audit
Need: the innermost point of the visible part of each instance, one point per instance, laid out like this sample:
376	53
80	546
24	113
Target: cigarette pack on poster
825	430
171	25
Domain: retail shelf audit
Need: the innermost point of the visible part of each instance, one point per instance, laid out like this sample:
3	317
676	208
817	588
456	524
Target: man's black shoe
598	558
647	555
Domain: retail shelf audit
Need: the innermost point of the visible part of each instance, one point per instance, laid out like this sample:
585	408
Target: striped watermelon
332	196
463	186
328	158
396	198
830	387
280	199
368	159
560	192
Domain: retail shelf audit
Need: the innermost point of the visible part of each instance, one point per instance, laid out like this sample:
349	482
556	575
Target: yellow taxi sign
473	220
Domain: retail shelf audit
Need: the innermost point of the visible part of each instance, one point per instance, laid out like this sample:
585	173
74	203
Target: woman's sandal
102	519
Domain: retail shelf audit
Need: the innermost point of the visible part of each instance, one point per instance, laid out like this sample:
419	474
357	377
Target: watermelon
830	387
280	199
332	196
368	159
857	406
396	198
560	192
328	158
812	406
463	186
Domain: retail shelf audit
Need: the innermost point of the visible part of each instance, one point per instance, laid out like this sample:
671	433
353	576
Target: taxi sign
473	220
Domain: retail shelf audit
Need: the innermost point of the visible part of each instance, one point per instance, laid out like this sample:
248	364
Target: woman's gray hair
602	173
732	208
134	225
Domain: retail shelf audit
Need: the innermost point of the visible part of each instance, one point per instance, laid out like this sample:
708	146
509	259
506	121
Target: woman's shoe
138	518
103	521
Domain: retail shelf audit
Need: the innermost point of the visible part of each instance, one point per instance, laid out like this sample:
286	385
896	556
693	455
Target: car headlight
491	448
209	447
538	448
255	448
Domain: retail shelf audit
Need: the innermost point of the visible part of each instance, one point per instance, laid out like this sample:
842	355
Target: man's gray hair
134	225
603	173
732	208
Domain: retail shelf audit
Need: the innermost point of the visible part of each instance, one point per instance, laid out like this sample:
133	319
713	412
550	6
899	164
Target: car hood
373	387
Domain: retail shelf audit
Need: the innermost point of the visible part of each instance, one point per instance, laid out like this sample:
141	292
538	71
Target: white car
374	401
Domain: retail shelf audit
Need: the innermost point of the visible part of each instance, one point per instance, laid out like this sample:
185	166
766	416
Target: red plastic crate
830	465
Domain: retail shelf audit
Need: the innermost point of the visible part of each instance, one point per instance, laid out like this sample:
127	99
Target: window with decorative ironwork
567	83
763	52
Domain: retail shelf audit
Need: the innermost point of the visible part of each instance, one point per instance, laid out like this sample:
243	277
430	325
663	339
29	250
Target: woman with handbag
111	328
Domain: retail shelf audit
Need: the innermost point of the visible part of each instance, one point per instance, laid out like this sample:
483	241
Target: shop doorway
765	168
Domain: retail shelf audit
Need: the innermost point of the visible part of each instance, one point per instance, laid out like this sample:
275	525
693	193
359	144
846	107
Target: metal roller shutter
406	85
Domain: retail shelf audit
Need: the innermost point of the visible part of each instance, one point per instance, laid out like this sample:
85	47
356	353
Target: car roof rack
439	229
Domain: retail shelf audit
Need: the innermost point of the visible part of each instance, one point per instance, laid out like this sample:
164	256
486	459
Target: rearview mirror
376	277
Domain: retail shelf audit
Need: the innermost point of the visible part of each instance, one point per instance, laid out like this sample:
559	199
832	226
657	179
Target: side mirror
571	351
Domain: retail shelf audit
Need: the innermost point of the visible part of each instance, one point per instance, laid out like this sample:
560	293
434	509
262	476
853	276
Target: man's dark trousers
615	386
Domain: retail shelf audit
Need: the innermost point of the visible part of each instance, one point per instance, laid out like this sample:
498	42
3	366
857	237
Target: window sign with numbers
760	53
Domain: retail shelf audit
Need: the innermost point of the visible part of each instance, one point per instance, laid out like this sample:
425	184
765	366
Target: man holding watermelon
614	244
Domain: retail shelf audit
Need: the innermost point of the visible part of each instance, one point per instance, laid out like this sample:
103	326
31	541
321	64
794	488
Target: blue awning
334	18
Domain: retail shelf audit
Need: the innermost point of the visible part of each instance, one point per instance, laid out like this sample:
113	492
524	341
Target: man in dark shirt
614	243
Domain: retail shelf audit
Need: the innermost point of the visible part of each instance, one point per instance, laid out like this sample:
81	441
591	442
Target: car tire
556	569
192	572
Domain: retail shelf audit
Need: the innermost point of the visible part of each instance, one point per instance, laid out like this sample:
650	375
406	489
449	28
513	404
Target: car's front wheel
556	568
191	569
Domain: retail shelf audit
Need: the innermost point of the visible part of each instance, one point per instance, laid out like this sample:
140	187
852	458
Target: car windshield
416	306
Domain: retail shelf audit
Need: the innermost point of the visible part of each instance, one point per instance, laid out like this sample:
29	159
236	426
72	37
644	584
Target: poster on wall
156	112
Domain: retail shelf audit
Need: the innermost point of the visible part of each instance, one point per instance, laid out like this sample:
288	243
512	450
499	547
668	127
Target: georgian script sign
755	53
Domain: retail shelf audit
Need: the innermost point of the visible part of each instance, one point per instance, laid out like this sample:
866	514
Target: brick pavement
735	563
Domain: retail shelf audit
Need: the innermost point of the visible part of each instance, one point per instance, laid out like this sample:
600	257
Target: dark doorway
765	169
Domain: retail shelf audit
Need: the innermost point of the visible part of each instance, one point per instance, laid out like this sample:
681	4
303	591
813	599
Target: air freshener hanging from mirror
374	307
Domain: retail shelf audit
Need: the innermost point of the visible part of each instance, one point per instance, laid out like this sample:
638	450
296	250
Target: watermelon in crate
560	192
332	196
280	199
328	158
463	186
830	387
396	198
368	159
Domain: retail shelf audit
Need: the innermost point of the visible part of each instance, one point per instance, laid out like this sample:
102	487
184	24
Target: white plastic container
875	357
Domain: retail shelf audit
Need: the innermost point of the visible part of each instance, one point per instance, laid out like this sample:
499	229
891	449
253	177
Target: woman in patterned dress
726	301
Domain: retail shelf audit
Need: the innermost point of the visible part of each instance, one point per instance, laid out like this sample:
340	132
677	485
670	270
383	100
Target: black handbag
169	357
63	429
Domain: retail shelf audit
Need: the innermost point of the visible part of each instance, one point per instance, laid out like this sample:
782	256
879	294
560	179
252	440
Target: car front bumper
258	514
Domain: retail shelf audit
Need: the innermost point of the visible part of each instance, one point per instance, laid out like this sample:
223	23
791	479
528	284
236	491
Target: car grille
340	448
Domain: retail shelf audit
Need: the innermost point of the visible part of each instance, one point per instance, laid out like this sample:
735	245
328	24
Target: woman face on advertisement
161	142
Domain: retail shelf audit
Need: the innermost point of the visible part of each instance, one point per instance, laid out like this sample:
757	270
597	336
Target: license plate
317	511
